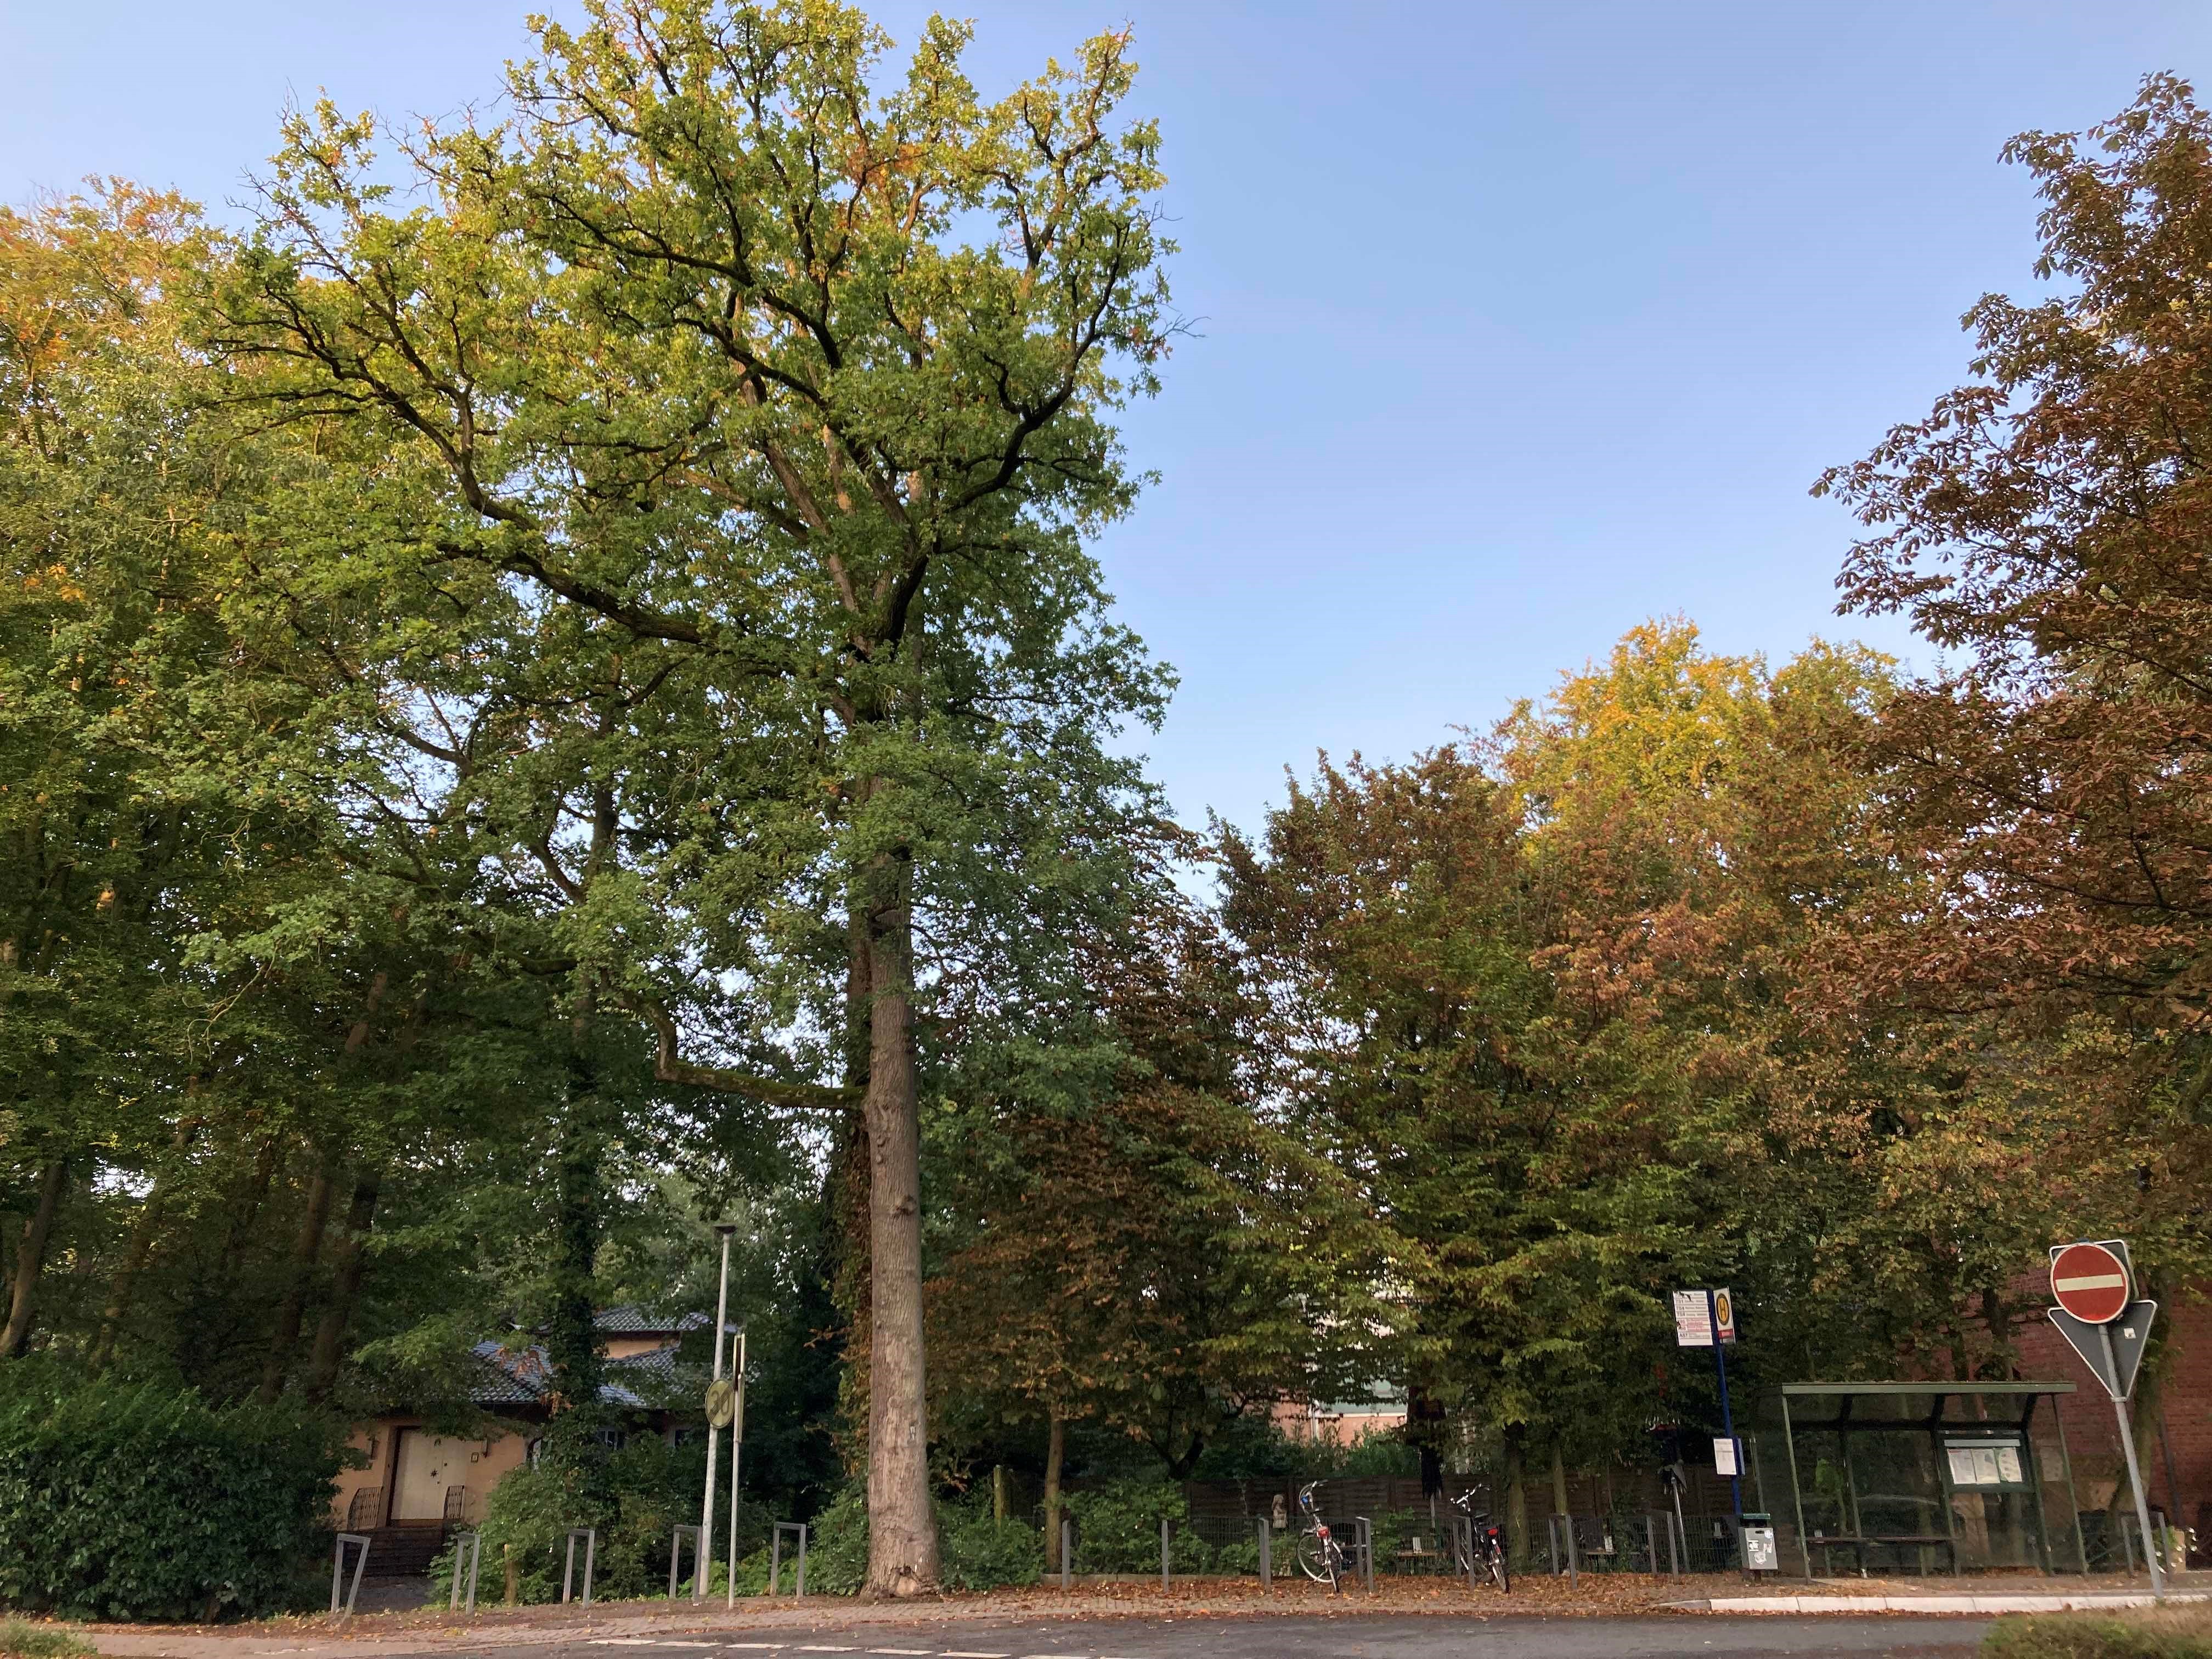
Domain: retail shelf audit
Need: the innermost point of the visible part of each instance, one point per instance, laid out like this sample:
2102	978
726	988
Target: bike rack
1366	1546
1067	1552
675	1556
1565	1523
472	1543
338	1570
1267	1552
1164	1572
775	1557
591	1537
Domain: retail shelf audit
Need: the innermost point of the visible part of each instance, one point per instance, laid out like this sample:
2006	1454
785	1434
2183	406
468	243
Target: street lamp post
714	1434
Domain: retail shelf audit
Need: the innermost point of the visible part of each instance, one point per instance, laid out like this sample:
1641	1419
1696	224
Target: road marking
912	1653
687	1644
805	1647
623	1642
761	1645
956	1653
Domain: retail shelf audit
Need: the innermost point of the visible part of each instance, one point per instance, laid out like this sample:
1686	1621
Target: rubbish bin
1760	1554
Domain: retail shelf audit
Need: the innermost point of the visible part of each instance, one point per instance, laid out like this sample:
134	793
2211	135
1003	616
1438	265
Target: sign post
2094	1284
1706	1319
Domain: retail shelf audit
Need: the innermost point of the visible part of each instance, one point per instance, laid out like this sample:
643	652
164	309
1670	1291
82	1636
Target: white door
428	1463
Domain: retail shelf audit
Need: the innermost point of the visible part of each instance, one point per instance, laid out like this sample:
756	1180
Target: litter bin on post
1760	1554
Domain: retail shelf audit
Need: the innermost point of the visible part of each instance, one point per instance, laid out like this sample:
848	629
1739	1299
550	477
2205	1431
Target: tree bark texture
31	1259
1056	1463
350	1257
291	1311
902	1531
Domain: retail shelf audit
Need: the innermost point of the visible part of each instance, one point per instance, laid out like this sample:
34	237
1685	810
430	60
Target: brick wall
2185	1490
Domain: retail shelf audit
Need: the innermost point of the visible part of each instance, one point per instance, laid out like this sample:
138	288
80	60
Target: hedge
143	1502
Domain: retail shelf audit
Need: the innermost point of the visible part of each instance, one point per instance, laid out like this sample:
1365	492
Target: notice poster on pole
1693	1320
1728	1455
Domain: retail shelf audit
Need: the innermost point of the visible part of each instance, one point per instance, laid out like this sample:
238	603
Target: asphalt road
1689	1637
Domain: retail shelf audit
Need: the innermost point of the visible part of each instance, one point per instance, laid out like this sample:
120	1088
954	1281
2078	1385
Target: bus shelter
1928	1473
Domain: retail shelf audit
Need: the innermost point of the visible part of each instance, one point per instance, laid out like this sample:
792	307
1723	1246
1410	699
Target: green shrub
2148	1633
978	1553
21	1640
142	1501
1117	1527
656	1488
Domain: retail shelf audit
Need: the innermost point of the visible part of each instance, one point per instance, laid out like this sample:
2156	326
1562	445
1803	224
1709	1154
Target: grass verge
2182	1632
20	1639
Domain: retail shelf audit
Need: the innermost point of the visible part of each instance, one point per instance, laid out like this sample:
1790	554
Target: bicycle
1488	1539
1319	1555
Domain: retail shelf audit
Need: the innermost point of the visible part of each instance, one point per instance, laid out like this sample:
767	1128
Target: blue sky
1515	323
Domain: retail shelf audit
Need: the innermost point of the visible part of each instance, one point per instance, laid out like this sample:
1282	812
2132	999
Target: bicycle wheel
1313	1558
1497	1572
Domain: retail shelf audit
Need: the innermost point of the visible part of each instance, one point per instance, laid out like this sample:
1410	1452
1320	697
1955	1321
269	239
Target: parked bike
1320	1556
1488	1539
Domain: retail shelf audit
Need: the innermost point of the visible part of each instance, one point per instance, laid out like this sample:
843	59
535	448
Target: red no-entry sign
2091	1282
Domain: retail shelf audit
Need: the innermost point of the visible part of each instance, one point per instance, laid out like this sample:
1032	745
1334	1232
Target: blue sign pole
1728	1422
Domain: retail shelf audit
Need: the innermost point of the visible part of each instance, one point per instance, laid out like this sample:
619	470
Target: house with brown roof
418	1481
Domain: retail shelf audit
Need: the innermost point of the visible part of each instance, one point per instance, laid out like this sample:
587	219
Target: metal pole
1163	1551
2073	1500
2134	1472
1267	1553
1728	1422
714	1435
736	1447
1067	1552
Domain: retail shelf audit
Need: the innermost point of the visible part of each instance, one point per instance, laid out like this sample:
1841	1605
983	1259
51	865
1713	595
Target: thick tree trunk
1056	1461
144	1231
902	1530
350	1257
31	1259
291	1312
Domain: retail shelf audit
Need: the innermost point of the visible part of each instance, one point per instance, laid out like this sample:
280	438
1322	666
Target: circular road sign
721	1402
2090	1282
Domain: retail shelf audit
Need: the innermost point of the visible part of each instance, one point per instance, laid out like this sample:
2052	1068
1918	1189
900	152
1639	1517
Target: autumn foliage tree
2049	523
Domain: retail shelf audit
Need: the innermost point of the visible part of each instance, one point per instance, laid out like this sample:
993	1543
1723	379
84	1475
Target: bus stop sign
2091	1281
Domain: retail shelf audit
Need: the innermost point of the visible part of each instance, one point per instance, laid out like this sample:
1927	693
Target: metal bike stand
591	1537
1463	1529
775	1556
1165	1573
676	1558
472	1543
1366	1537
1067	1553
1267	1553
338	1570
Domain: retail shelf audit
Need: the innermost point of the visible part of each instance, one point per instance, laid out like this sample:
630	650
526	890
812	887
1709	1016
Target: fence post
1163	1551
774	1557
1267	1553
1366	1552
338	1568
1067	1552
